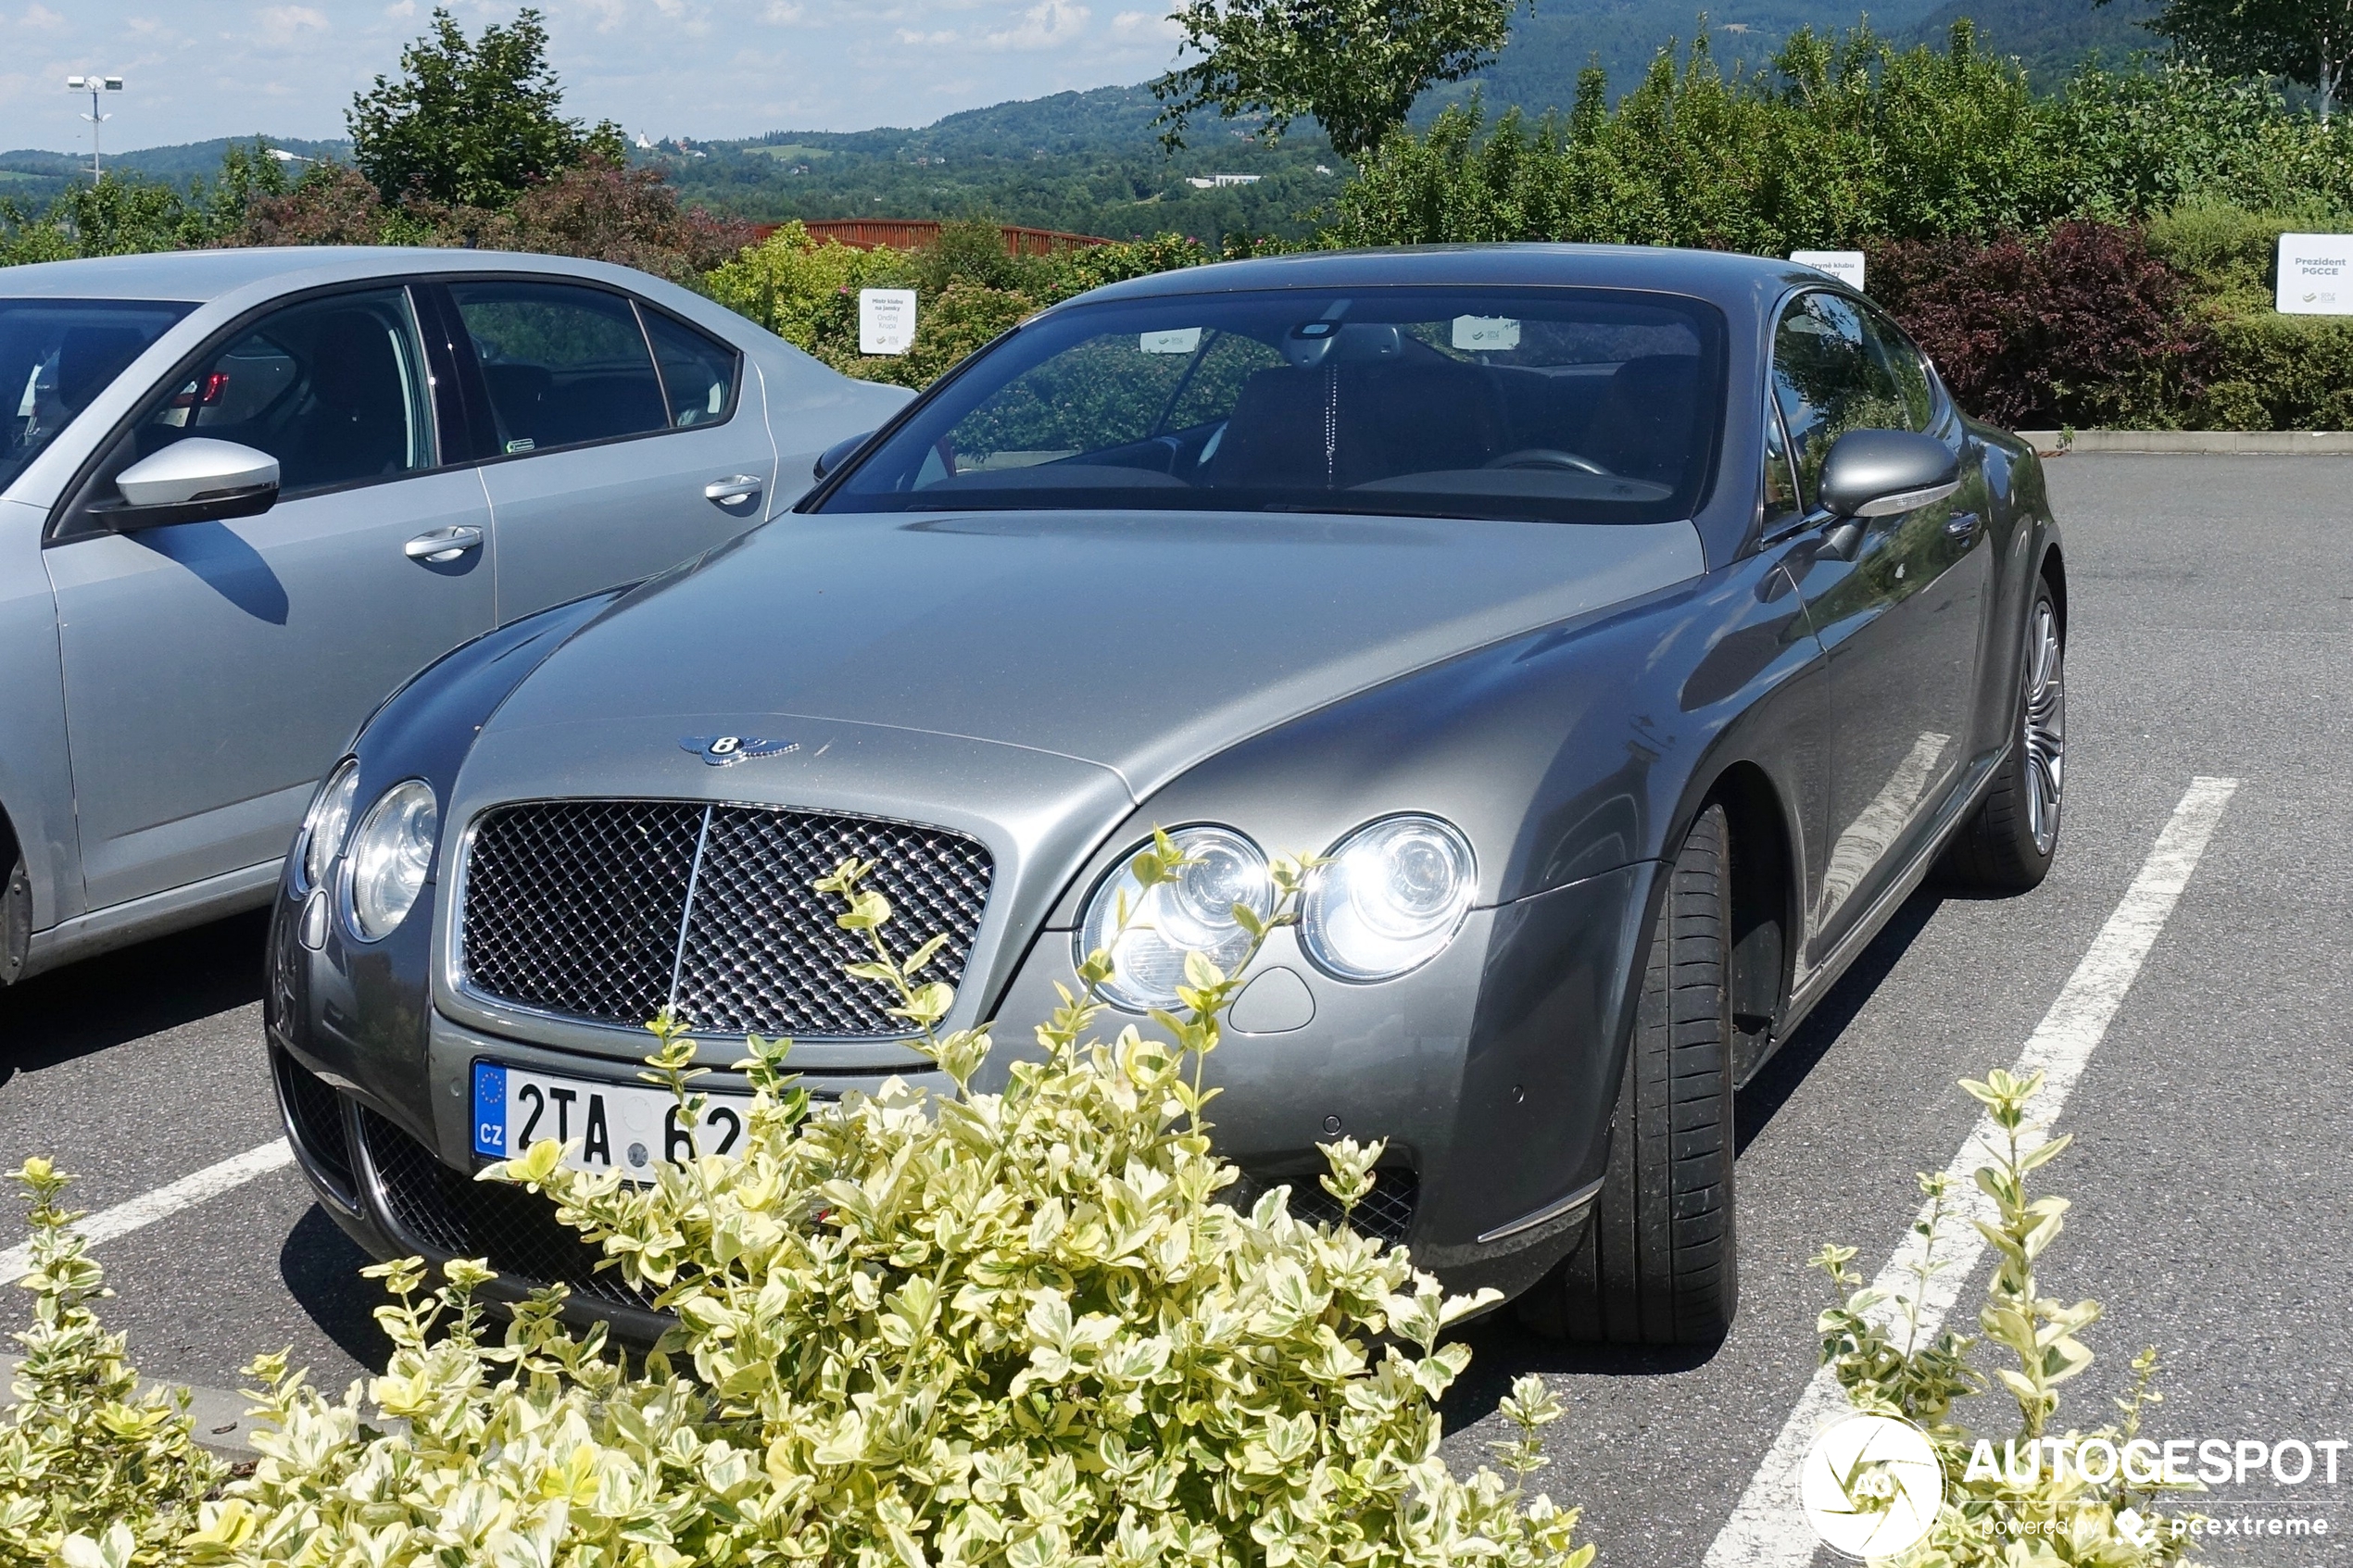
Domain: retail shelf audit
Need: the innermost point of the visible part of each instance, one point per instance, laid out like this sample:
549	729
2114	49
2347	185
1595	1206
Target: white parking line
163	1202
1768	1530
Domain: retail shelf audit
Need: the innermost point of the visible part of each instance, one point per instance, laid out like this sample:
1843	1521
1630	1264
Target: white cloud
289	68
1134	28
1046	25
285	24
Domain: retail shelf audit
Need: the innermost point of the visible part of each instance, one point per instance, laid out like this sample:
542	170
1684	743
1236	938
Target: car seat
1351	421
1643	427
355	424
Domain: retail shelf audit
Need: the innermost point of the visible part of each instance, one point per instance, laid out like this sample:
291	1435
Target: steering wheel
1547	458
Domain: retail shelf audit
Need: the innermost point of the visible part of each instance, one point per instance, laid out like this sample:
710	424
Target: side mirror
1881	472
199	480
839	453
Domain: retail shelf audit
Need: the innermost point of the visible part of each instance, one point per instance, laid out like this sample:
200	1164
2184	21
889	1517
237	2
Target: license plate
632	1128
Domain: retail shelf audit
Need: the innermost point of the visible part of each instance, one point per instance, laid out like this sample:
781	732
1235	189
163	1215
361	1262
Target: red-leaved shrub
2080	326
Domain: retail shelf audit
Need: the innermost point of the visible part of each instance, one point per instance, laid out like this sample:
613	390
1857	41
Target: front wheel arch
16	903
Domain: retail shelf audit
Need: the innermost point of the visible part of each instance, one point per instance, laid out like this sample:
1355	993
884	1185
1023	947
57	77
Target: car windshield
1543	404
56	355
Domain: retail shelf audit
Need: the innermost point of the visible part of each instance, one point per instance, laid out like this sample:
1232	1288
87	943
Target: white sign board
1846	265
1494	333
2316	274
886	320
1173	340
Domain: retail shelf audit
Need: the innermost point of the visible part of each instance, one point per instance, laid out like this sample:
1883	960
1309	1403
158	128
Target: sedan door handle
1960	525
733	490
443	545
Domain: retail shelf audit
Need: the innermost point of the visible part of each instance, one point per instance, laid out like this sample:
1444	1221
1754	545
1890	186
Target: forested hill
1549	47
34	177
1090	161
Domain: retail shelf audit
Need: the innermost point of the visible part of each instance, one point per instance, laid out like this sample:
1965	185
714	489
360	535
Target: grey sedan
245	493
1628	631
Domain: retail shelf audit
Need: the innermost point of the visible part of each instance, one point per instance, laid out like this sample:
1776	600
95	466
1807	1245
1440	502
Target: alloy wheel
2046	726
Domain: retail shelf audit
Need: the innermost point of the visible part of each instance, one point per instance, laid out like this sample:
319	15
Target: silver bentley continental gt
1629	632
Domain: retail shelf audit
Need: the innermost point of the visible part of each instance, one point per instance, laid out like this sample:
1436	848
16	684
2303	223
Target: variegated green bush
1003	1328
1890	1363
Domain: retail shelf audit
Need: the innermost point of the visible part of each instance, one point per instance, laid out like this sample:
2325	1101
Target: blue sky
199	69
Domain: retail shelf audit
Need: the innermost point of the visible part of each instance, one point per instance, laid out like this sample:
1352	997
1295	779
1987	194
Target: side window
1827	381
1780	482
564	365
333	388
1904	366
698	370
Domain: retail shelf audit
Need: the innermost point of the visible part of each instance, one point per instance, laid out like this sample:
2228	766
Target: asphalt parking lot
2210	637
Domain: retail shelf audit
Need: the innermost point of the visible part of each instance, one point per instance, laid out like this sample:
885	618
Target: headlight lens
390	855
329	818
1191	913
1391	896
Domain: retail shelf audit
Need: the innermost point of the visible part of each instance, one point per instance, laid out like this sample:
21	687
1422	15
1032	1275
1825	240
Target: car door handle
1960	525
733	490
443	545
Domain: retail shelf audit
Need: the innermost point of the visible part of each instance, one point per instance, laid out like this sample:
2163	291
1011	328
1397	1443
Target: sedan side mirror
1881	472
839	453
199	480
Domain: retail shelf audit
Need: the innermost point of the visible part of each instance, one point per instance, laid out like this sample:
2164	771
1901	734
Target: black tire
1657	1266
2009	845
16	913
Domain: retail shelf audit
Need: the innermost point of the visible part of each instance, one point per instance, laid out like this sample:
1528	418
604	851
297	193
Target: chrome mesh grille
515	1231
610	911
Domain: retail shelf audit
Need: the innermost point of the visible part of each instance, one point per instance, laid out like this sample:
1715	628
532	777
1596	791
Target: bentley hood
1138	643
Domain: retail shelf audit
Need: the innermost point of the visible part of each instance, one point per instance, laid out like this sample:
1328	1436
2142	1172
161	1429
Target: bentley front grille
609	911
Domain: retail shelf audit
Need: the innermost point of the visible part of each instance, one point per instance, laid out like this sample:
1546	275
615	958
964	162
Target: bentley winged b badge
725	751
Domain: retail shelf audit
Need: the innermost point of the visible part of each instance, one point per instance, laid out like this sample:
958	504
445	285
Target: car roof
1721	276
199	276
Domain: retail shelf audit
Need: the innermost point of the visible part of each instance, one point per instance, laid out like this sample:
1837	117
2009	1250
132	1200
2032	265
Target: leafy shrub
969	289
2082	326
993	1328
1846	142
2055	1517
82	1448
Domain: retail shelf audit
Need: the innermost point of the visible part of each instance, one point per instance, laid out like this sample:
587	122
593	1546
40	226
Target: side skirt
1827	974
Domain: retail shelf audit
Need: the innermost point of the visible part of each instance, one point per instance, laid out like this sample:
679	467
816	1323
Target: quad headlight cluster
385	858
1388	898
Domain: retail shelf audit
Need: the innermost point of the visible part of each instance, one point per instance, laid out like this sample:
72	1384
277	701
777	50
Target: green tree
472	123
2306	40
1356	66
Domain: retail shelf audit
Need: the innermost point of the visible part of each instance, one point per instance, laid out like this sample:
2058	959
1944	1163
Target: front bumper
1490	1073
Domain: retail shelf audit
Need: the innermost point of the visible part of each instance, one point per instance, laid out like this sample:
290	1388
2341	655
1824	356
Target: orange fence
914	233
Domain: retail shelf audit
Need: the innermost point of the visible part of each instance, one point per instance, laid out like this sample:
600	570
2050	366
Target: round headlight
328	820
390	855
1389	896
1193	912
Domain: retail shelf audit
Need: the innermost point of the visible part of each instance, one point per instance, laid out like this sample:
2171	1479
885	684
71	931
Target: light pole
94	85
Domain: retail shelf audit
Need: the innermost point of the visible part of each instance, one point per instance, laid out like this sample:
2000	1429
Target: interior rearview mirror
837	454
1881	472
199	480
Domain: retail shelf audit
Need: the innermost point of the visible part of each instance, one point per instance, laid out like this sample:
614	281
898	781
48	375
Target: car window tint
333	388
564	365
1567	404
1827	381
1904	365
698	370
1781	484
56	354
